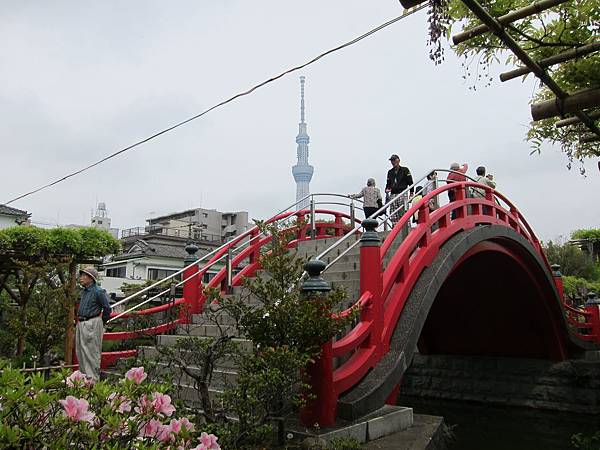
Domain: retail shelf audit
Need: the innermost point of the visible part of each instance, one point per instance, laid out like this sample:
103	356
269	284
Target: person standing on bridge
456	177
399	179
480	192
90	325
372	198
482	178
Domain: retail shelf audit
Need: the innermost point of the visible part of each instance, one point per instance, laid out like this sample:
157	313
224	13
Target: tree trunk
21	337
71	299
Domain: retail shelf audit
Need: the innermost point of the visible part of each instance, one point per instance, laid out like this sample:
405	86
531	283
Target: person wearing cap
93	313
398	179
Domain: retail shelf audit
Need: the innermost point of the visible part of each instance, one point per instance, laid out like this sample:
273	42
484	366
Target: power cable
224	102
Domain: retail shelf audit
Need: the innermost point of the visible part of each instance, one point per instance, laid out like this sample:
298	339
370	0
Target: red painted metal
321	410
109	359
151	331
371	281
192	290
594	320
393	397
153	310
352	340
415	253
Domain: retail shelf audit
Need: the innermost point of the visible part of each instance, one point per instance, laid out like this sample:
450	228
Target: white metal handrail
240	245
409	190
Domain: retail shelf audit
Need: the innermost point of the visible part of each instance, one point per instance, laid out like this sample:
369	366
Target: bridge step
207	330
221	377
171	340
149	352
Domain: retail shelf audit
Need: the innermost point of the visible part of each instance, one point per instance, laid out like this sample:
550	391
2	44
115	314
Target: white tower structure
101	220
302	171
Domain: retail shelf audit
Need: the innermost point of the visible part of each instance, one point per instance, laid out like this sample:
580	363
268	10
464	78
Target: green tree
40	265
590	241
572	261
566	26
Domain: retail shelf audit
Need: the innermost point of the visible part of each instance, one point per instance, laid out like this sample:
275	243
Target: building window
99	222
159	274
116	272
208	276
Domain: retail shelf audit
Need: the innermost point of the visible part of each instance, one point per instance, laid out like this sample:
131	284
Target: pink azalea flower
122	403
78	379
208	442
125	406
145	405
181	424
162	404
77	409
136	374
151	428
164	434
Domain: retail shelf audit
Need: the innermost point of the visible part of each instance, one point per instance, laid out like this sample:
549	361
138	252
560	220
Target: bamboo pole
70	331
575	120
536	7
547	62
587	138
589	98
513	45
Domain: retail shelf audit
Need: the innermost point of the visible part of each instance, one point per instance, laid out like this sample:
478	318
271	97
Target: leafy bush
586	442
572	261
74	412
344	444
579	287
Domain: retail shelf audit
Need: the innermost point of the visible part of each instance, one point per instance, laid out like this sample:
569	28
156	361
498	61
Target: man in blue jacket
93	313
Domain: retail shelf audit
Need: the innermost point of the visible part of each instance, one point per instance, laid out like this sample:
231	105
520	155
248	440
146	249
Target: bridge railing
584	323
384	289
237	258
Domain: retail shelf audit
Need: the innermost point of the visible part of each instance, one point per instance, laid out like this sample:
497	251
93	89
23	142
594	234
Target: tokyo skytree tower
302	171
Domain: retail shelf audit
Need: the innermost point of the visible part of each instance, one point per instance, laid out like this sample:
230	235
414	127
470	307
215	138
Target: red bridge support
322	409
192	286
371	280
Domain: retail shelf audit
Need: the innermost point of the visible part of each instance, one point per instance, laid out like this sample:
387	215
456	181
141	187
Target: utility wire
224	102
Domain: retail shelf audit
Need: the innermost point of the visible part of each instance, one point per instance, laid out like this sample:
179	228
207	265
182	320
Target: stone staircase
344	274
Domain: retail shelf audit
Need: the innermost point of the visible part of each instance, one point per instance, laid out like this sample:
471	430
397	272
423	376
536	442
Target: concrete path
425	434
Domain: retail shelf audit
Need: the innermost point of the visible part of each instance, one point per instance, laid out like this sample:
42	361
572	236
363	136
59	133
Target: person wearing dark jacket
399	179
90	323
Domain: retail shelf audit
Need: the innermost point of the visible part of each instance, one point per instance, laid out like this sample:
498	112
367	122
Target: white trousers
88	346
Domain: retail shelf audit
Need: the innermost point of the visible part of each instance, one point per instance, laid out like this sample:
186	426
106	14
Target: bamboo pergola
581	105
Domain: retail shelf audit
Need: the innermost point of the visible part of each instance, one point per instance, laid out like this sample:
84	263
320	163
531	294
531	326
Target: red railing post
371	279
254	242
461	194
322	409
339	225
558	281
592	306
192	287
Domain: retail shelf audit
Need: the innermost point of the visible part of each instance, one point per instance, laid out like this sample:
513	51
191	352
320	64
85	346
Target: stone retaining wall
564	386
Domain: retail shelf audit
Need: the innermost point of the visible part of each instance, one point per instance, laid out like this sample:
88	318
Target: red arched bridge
465	277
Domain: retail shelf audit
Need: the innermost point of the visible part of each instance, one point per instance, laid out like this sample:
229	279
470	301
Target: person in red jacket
455	177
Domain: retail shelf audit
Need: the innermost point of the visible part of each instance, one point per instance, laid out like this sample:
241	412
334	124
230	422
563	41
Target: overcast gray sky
81	79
